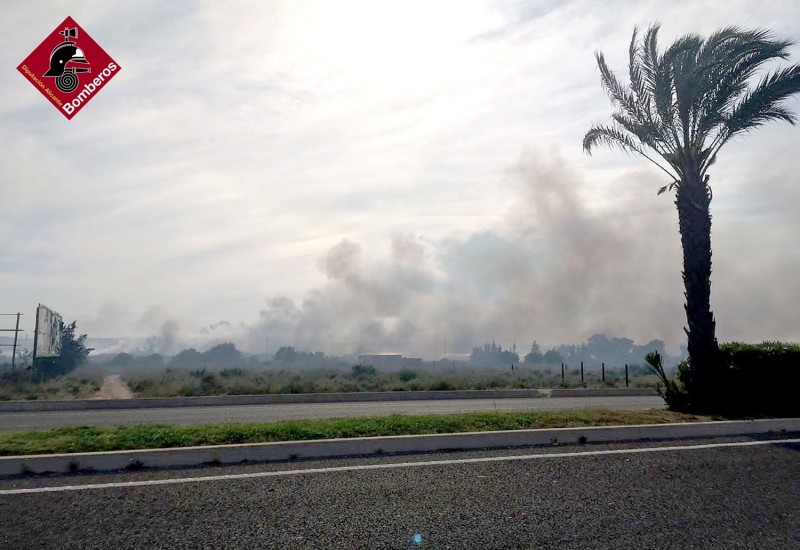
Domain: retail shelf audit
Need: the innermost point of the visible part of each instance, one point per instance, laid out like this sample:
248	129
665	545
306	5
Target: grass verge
144	436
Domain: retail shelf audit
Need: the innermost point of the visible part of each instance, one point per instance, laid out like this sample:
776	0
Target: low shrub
760	379
748	380
362	372
209	385
407	375
233	373
442	385
198	373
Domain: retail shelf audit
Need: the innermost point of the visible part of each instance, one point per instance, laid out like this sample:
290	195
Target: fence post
626	375
581	372
603	367
562	373
14	352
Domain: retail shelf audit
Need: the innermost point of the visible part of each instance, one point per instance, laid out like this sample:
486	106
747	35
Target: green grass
88	439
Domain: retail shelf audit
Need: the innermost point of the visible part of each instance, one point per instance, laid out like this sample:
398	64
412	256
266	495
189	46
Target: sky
376	176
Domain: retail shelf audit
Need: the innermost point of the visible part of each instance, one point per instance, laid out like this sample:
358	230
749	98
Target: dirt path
113	388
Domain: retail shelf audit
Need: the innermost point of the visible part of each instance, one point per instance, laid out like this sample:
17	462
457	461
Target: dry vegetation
275	378
81	383
264	380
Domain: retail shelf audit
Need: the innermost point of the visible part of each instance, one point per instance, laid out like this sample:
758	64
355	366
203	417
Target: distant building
389	361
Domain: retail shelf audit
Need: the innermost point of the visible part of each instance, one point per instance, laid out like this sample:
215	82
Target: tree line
599	348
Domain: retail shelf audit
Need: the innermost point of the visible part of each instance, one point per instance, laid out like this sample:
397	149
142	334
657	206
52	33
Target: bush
407	375
749	380
233	373
139	386
294	386
760	379
363	371
442	385
209	385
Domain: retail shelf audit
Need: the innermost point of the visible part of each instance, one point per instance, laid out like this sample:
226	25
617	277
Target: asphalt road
18	421
715	498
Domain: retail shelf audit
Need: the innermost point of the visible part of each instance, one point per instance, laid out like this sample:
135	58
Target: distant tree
552	357
187	358
601	348
492	354
223	354
535	356
572	353
508	356
654	346
286	354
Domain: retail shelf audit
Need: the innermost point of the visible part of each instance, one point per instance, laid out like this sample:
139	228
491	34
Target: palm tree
679	108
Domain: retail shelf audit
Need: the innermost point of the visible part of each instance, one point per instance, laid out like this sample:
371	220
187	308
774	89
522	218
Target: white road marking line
281	473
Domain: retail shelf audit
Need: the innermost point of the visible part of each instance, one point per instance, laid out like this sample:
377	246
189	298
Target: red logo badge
69	68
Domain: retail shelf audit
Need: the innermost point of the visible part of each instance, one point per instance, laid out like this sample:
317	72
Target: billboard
47	336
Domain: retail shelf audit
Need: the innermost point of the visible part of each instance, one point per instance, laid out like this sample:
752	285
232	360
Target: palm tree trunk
693	200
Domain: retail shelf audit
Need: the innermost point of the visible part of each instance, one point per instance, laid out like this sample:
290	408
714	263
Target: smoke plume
552	269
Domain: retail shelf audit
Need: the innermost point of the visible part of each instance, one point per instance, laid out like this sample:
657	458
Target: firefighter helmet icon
62	59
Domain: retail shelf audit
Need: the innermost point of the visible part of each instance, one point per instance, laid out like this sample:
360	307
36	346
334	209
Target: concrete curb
603	392
330	448
274	399
267	399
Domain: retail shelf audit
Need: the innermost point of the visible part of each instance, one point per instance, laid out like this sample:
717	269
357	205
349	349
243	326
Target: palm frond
682	56
650	57
763	103
617	138
611	137
618	94
729	61
657	74
640	89
644	132
642	76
